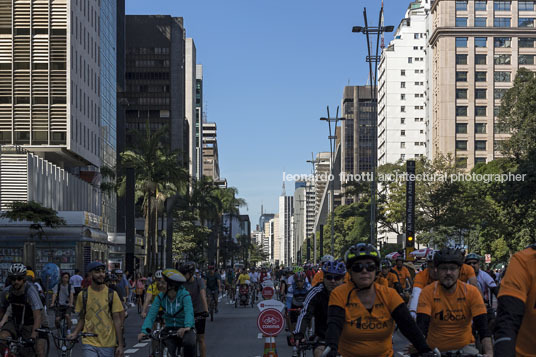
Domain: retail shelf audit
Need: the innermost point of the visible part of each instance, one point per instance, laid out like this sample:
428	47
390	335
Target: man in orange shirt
403	273
319	276
516	313
448	306
386	276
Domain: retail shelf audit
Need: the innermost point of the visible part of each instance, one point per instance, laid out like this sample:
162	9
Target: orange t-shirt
366	333
391	279
318	278
382	281
403	274
520	282
423	278
451	315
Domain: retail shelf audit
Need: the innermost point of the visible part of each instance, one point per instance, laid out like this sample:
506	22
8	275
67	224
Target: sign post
270	322
410	208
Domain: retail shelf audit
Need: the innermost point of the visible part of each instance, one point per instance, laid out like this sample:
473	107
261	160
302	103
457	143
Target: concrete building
322	172
155	78
401	90
190	92
275	242
199	114
286	210
211	166
476	49
299	226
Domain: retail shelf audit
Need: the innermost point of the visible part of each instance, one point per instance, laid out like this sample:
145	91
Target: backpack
84	301
58	293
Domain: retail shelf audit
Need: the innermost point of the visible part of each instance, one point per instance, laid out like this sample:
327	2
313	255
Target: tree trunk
148	238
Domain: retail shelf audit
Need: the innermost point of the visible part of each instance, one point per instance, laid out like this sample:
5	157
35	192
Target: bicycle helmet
448	255
17	269
473	256
360	251
386	263
327	258
300	276
173	278
334	267
158	274
188	267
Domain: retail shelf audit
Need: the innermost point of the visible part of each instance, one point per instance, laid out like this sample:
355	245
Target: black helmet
360	251
188	267
448	255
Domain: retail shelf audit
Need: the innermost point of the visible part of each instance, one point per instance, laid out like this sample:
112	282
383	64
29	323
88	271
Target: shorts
92	351
26	331
200	326
62	310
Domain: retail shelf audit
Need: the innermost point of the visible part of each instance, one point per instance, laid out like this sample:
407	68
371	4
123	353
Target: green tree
34	212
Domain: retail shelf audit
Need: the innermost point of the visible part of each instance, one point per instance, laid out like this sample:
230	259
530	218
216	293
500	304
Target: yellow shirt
153	289
98	319
242	278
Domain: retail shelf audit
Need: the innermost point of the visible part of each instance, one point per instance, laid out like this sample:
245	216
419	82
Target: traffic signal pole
410	208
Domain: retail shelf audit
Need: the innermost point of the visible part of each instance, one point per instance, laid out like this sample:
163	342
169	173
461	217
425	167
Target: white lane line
132	350
140	345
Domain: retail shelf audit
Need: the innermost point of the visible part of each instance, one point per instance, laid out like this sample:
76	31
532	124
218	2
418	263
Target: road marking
259	336
131	350
140	345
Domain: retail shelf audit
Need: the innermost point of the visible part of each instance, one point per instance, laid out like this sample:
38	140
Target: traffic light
410	241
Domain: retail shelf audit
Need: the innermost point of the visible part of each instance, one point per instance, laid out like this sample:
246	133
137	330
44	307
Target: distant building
199	114
211	165
286	246
190	92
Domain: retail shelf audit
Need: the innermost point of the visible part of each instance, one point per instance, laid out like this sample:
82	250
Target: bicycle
303	347
63	326
64	345
160	336
15	347
211	304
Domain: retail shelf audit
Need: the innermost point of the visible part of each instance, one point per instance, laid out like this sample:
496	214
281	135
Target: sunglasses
358	267
333	277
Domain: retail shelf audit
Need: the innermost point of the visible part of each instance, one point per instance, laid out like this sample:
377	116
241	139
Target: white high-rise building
190	104
402	111
286	206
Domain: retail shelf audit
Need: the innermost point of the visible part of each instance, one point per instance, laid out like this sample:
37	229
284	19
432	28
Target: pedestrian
104	318
123	285
87	281
76	282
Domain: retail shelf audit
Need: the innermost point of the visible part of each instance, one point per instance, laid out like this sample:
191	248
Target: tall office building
476	49
211	165
286	206
190	105
199	114
275	242
155	78
401	90
299	220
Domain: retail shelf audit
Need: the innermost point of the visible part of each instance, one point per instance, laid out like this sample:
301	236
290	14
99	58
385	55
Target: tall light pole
378	31
332	147
313	162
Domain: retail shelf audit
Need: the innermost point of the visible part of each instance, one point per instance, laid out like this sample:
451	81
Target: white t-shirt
76	281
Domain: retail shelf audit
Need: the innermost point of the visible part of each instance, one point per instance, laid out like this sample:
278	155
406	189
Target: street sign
267	292
487	258
270	322
270	304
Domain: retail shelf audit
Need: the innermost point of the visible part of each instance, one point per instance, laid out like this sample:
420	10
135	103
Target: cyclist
296	297
122	285
26	310
76	282
100	312
516	312
156	287
196	288
403	274
448	306
63	301
486	284
264	275
362	314
178	315
387	277
316	305
213	283
319	276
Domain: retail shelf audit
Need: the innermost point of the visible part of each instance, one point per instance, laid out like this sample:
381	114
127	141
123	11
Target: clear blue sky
270	70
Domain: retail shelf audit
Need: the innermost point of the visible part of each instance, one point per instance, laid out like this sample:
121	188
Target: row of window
417	95
497	22
403	156
34	100
417	71
403	85
38	138
481	93
416	59
461	162
480	128
481	5
417	107
480	145
148	51
417	120
499	59
480	76
403	132
498	42
147	75
417	143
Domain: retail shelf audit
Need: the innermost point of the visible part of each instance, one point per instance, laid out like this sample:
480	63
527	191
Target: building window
410	59
461	76
526	5
402	84
402	72
461	128
402	145
461	22
496	111
461	110
461	59
526	42
461	5
481	5
501	5
526	59
480	41
480	111
480	59
461	162
415	36
480	145
480	128
402	120
525	22
502	76
480	93
403	109
461	145
402	156
502	22
502	59
461	42
480	160
503	42
480	76
498	93
481	22
402	133
461	93
402	97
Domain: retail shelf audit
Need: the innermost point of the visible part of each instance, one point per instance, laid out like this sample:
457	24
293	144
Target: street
233	333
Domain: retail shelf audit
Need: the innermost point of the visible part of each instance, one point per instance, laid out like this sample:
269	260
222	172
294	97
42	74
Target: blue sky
270	70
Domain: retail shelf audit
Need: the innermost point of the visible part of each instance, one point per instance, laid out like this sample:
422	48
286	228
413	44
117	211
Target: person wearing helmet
386	276
155	288
20	300
403	274
319	276
213	283
486	284
449	308
196	288
107	324
316	305
362	314
296	293
178	315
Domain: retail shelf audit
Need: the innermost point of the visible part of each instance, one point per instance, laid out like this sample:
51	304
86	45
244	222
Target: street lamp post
370	59
332	143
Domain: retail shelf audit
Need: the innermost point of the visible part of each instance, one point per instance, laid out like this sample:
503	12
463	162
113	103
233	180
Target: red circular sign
270	322
267	292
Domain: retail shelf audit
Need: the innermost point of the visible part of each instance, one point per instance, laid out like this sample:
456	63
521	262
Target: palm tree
158	174
230	205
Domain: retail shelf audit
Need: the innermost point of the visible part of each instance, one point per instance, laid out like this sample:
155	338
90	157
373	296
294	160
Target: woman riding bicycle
178	315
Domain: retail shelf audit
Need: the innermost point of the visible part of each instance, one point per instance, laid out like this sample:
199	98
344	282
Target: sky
270	70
